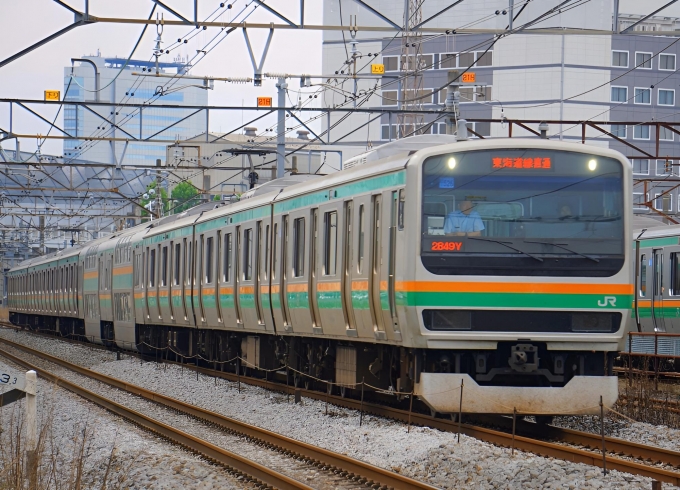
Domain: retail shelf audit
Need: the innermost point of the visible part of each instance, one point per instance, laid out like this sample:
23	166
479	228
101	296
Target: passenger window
360	258
177	258
227	258
643	275
248	254
675	274
164	266
266	252
152	268
274	248
298	247
330	243
209	260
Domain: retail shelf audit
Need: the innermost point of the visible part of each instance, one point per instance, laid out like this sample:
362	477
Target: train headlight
451	163
592	165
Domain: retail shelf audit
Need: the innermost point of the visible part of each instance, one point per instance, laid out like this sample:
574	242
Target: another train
381	272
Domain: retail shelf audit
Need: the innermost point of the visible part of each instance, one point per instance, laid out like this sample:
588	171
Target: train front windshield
522	212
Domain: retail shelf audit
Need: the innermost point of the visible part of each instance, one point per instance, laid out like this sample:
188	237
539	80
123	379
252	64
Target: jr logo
607	301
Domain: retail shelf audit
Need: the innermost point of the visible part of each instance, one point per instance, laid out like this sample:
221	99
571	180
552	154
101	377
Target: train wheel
544	419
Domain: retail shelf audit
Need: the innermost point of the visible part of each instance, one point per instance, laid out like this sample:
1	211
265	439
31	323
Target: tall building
117	84
614	78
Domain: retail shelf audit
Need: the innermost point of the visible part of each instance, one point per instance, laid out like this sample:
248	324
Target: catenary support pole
281	129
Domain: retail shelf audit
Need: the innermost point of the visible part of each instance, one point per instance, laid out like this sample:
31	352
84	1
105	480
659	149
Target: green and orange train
501	265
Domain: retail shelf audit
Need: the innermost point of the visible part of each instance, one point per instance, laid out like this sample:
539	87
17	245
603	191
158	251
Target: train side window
330	243
275	240
248	254
299	247
226	273
177	259
643	276
266	252
152	268
402	205
675	274
164	266
209	260
362	226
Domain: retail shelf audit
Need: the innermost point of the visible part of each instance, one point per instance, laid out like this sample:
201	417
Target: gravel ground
424	453
301	471
140	459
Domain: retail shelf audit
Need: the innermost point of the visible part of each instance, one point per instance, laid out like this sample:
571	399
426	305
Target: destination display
519	163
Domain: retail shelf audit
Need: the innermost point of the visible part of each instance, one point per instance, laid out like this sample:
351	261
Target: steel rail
370	474
233	461
497	437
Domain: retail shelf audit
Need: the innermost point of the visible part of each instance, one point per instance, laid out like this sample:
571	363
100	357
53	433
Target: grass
68	458
646	399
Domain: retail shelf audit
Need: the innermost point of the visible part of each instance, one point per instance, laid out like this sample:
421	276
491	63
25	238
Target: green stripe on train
515	300
346	190
658	242
665	312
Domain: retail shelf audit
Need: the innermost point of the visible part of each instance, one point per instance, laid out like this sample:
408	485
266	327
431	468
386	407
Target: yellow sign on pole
378	69
264	102
52	95
469	77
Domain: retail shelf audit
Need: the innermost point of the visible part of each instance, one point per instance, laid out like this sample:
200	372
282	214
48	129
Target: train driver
464	222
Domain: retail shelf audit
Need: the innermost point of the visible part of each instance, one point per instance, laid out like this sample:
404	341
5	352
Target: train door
657	291
163	282
262	274
314	264
202	276
388	266
377	287
672	317
245	291
138	284
360	268
237	278
186	244
227	297
209	280
277	281
216	274
172	275
297	282
347	237
329	269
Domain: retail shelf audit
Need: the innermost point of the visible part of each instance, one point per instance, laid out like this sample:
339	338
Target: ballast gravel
425	454
139	460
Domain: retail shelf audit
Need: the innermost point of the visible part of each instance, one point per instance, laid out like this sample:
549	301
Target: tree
152	198
185	196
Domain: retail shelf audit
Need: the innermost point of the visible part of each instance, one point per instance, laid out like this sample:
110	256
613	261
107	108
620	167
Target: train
657	284
481	276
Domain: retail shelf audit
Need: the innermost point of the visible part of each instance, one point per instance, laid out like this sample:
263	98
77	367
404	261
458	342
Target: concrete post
281	130
31	429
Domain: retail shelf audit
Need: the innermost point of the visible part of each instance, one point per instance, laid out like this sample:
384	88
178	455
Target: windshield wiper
561	245
505	244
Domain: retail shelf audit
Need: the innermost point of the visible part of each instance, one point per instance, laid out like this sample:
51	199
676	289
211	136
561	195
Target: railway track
530	437
359	472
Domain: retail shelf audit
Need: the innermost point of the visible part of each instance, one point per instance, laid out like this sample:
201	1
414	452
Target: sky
27	21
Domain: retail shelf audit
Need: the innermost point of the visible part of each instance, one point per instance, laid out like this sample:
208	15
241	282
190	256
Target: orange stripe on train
512	287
